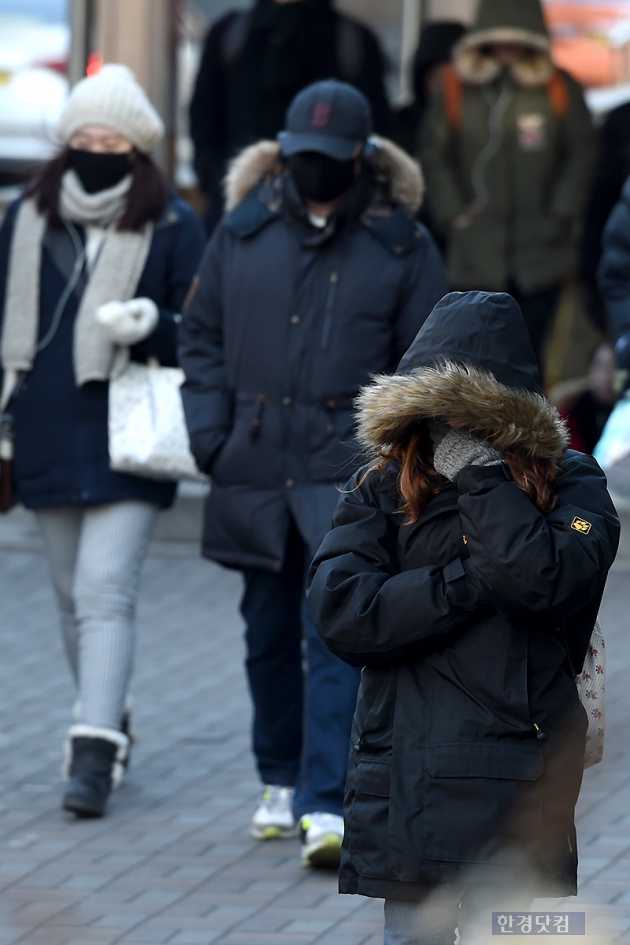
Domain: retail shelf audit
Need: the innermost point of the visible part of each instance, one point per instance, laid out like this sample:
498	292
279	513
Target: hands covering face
454	450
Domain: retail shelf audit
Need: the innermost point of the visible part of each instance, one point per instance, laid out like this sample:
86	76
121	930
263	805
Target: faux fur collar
476	66
391	166
467	397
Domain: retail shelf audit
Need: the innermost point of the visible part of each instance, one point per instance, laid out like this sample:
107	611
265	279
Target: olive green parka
508	157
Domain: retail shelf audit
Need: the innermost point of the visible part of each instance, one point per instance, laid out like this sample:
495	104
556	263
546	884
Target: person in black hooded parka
255	62
464	572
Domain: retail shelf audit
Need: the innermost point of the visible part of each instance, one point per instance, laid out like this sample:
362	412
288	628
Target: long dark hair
419	482
146	201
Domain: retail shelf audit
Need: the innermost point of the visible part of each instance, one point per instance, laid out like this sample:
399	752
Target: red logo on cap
321	115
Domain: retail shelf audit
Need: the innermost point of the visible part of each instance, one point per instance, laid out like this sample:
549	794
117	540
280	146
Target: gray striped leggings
95	555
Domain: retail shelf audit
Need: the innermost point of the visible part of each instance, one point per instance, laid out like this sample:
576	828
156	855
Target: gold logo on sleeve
581	525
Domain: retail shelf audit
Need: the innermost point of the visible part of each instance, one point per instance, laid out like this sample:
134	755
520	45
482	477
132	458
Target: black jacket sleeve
533	564
366	610
207	110
614	269
204	393
370	81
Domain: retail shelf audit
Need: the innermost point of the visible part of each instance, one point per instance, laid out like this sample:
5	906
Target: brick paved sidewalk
173	862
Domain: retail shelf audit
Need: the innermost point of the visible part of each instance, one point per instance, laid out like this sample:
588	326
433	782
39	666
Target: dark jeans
301	732
538	309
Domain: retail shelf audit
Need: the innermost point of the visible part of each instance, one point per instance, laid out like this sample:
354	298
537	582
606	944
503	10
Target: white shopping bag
591	684
614	444
147	429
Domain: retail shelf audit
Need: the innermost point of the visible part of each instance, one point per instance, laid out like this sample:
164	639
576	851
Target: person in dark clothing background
253	65
613	169
587	411
318	276
434	50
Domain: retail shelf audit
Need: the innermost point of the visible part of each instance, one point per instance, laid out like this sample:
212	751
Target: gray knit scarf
114	277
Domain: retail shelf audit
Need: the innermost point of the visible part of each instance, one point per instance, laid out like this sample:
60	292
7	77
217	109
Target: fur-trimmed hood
472	366
390	165
506	21
476	66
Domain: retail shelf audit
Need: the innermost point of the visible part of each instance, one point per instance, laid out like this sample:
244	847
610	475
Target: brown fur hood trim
390	165
467	397
476	66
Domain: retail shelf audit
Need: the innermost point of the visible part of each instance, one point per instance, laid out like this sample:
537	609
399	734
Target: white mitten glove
127	323
457	450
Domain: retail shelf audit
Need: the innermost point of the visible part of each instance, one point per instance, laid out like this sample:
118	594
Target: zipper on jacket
540	735
256	429
570	844
330	302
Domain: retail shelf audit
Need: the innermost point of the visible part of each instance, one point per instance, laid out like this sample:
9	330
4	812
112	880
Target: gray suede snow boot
95	765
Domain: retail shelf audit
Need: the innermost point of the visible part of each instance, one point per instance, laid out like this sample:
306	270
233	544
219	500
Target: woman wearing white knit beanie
95	259
114	99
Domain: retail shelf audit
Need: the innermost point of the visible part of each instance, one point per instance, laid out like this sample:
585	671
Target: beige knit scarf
115	277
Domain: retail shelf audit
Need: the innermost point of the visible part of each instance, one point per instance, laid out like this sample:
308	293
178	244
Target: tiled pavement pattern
173	862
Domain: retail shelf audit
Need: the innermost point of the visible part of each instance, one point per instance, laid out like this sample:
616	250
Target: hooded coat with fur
508	155
288	322
471	624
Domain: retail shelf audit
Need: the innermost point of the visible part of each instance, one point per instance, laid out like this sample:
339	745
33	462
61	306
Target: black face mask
98	171
321	178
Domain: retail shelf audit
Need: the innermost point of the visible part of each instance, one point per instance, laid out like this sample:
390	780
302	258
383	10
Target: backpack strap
453	88
558	92
350	49
234	37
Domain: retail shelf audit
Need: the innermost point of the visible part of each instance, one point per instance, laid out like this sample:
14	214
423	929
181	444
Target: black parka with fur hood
471	623
287	323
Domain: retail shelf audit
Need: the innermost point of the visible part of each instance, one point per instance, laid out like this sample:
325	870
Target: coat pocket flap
373	778
486	760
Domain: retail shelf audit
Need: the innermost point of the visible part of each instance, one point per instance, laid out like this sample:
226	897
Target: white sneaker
321	839
273	819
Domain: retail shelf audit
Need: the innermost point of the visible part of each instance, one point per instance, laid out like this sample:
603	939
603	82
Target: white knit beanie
114	99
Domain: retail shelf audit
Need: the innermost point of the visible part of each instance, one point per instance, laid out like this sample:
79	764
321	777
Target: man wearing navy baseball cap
327	128
318	277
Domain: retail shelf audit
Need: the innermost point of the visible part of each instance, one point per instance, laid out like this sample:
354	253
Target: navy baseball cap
329	117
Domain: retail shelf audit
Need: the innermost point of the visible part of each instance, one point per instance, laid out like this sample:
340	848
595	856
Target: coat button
286	401
290	483
398	249
295	319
